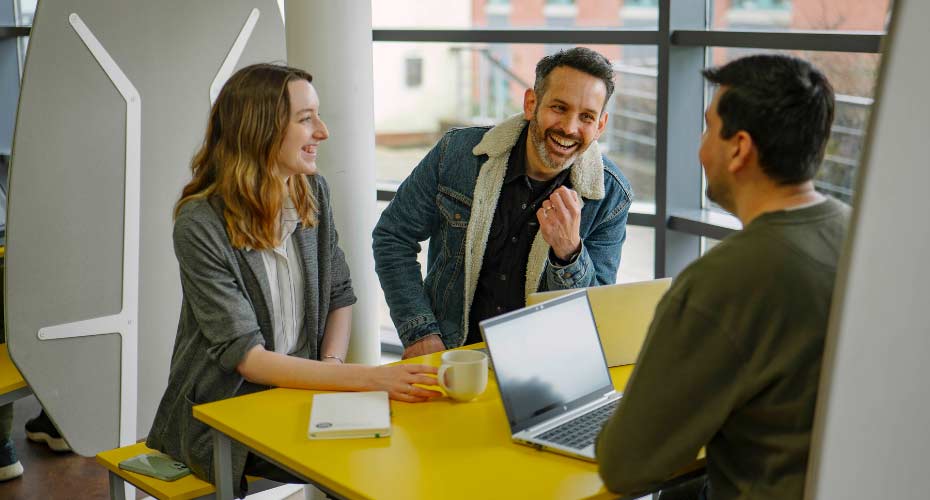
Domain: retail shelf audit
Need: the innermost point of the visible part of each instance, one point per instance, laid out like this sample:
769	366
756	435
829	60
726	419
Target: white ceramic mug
463	374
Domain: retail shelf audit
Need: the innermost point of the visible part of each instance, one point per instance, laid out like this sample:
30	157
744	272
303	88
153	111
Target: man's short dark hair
580	58
786	106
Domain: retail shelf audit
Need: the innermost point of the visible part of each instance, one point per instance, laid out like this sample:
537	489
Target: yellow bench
12	385
188	487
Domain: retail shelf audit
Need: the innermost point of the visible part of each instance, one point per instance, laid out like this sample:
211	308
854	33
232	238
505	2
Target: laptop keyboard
582	431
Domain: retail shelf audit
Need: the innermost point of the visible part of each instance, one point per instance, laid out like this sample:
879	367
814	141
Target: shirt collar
516	163
289	218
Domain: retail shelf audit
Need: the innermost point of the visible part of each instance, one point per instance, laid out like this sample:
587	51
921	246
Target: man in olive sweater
732	359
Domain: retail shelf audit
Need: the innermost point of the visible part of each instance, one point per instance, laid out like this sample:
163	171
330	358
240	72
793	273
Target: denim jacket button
567	275
458	216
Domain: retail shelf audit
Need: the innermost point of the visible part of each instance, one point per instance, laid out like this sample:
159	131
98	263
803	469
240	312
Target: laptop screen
547	359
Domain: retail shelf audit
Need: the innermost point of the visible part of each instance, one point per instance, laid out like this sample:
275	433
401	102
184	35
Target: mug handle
441	376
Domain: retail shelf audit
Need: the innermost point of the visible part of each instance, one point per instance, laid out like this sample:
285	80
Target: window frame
683	36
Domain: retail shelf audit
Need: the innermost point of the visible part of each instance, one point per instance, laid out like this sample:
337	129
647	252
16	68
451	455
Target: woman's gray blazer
226	311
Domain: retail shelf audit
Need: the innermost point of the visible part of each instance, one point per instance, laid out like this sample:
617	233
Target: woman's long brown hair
237	159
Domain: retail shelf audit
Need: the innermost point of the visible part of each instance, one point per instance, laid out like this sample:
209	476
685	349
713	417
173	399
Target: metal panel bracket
125	323
232	57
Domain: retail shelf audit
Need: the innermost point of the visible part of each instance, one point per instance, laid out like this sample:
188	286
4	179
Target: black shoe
42	430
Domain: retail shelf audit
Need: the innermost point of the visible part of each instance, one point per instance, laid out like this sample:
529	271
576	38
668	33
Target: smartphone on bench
157	465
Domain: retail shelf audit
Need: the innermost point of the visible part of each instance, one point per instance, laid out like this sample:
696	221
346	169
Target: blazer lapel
256	283
252	269
305	240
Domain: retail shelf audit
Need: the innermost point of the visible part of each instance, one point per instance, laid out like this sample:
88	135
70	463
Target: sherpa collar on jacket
587	174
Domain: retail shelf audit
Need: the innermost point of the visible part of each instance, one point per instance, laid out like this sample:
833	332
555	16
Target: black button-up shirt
502	282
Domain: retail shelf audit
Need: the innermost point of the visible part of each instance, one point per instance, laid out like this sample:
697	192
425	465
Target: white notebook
344	415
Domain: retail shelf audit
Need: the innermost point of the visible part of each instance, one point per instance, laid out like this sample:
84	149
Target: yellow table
12	384
440	449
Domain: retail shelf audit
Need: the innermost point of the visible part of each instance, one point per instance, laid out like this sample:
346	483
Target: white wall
871	436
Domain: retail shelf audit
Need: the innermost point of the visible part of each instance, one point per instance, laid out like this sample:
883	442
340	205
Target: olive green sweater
732	361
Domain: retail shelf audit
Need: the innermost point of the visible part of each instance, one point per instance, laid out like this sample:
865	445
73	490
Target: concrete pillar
332	40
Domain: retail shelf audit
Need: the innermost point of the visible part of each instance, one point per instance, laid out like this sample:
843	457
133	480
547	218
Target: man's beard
538	138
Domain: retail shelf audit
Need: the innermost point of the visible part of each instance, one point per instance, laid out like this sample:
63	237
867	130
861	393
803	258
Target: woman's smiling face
305	131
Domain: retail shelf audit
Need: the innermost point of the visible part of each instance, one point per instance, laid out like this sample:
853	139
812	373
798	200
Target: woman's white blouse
285	279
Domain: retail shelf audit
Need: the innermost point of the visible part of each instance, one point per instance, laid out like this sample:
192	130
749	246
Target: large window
480	84
15	20
478	58
25	11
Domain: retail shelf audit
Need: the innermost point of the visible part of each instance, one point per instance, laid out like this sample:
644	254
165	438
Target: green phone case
157	465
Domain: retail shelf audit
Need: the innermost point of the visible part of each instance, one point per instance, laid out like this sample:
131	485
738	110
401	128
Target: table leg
222	466
117	488
311	492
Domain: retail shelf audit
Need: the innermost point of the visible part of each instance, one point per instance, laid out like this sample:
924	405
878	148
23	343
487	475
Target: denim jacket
450	198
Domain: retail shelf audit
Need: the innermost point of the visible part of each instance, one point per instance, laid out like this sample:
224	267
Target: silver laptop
552	375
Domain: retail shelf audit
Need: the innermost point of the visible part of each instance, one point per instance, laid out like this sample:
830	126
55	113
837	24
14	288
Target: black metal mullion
14	31
527	35
867	42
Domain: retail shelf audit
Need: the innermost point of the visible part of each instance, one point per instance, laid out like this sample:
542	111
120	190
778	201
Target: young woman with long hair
266	290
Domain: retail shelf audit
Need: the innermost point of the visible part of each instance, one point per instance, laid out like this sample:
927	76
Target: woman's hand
398	381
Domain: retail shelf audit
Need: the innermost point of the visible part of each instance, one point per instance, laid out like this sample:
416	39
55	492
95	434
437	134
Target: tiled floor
50	475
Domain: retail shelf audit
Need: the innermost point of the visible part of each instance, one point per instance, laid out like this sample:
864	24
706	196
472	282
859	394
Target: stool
185	488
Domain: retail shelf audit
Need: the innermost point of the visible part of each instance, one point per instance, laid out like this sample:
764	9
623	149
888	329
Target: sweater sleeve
679	395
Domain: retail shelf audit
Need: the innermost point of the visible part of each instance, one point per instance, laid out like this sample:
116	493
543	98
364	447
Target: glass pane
637	261
707	244
25	11
853	77
482	84
463	14
828	15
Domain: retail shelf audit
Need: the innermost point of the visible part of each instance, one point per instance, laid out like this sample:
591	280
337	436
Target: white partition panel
89	253
871	436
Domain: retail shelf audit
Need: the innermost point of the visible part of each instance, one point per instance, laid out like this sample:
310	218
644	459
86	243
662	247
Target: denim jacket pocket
455	215
454	207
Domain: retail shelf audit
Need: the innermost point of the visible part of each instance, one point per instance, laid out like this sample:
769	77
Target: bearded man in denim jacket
528	205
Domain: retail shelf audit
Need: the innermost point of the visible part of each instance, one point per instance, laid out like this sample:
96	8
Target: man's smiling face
564	120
